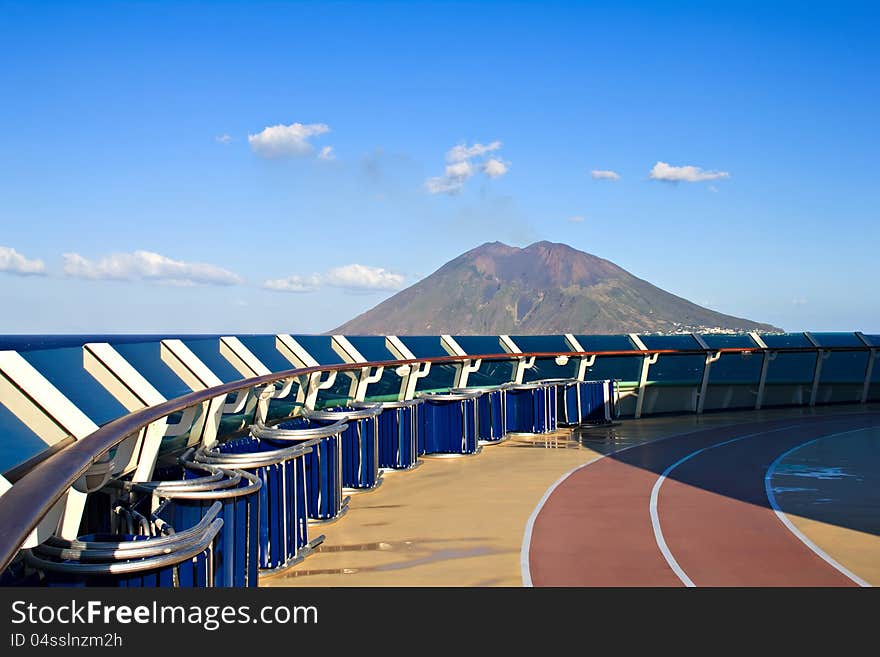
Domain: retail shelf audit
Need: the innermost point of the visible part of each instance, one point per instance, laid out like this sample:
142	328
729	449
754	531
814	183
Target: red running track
595	528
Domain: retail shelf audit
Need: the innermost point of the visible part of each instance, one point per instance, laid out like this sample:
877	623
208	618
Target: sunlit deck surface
461	521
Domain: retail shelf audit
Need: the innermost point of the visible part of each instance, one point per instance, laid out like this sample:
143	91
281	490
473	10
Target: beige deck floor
460	522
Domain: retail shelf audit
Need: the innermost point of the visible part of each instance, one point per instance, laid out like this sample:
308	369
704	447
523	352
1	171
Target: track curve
712	525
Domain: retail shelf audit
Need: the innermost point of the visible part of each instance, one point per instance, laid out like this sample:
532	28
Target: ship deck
662	501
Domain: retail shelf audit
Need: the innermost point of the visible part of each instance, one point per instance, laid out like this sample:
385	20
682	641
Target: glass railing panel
677	370
874	385
371	347
837	340
606	342
843	377
424	346
385	389
789	379
541	343
873	340
728	340
784	340
146	358
440	377
337	394
625	369
733	381
736	369
670	341
546	368
18	443
263	347
493	372
64	369
844	367
208	351
320	349
792	368
479	344
34	342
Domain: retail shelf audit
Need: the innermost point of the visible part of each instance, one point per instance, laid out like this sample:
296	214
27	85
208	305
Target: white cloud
327	153
13	262
464	152
799	301
352	277
494	168
460	170
577	219
294	284
286	140
668	173
440	185
148	266
460	167
604	174
223	139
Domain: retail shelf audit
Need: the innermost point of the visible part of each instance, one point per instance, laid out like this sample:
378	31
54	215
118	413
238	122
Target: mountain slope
543	288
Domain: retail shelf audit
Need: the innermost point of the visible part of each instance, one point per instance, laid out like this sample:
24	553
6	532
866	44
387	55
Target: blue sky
133	199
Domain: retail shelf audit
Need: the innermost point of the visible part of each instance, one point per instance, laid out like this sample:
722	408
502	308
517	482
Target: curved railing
39	488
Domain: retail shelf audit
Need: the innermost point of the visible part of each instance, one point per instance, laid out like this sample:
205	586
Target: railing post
416	371
766	356
195	374
821	355
584	362
522	363
52	417
311	385
134	392
248	365
464	368
707	367
647	361
869	369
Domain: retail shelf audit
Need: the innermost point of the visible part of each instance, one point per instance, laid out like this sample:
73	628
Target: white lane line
525	570
530	523
655	495
768	487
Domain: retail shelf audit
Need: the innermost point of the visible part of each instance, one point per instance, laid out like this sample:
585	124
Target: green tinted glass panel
606	343
17	442
786	340
64	369
728	340
146	358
